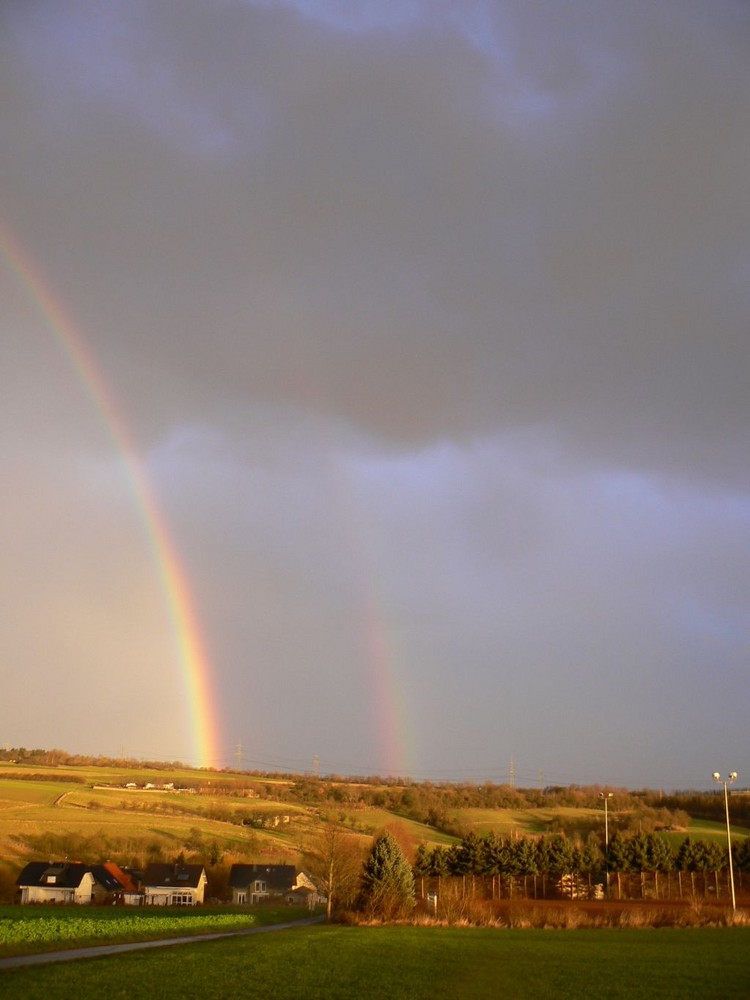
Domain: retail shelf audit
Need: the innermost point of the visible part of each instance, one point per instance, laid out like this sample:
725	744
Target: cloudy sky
428	321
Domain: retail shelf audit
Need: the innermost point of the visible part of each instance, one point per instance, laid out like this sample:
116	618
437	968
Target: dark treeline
641	864
61	758
710	805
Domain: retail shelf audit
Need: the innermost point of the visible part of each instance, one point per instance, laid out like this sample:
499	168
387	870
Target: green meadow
523	821
413	963
32	929
42	806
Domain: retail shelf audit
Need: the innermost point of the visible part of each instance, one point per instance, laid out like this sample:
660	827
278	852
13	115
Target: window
182	899
260	887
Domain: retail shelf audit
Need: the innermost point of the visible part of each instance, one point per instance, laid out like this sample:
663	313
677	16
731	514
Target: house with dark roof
252	884
67	882
174	885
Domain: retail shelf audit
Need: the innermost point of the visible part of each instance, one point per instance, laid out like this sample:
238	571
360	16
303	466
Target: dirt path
96	951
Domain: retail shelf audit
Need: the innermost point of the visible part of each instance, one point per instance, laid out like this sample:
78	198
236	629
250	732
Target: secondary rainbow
189	643
380	635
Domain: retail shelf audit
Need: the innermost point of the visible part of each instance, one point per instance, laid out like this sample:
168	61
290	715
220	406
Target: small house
252	884
66	882
174	885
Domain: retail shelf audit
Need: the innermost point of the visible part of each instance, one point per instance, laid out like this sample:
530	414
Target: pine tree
617	859
387	880
421	867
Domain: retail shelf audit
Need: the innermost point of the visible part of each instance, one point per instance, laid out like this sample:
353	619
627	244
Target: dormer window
260	886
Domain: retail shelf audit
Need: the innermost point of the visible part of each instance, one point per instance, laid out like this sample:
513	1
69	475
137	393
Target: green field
39	929
126	823
33	929
369	820
523	821
406	963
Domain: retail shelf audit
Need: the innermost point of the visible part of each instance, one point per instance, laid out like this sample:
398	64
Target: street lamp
606	796
732	776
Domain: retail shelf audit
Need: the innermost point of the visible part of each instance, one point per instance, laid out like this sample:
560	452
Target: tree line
537	865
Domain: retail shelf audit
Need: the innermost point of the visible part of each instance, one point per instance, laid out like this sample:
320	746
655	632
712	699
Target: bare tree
334	862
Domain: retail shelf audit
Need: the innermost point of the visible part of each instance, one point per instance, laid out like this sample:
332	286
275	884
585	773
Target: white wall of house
52	893
161	895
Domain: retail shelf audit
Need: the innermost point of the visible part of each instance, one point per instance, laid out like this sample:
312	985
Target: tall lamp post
606	796
732	776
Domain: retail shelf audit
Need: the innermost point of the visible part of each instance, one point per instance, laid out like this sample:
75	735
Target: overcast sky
429	320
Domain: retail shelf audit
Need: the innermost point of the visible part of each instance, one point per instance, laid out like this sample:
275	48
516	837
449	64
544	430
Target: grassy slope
416	963
130	822
31	808
507	821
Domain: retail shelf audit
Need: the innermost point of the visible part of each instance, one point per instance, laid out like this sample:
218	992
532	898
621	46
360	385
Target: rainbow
187	633
381	649
388	705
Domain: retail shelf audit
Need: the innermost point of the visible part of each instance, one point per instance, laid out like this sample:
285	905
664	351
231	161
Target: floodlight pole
732	776
606	796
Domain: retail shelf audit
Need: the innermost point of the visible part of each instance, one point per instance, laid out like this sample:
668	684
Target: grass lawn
407	963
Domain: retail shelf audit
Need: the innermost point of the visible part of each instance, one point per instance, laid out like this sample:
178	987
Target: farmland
135	813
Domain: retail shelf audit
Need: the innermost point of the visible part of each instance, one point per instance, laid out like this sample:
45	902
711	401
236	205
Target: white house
66	882
174	885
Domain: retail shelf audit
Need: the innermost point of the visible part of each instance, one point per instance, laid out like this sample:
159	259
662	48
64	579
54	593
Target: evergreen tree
491	854
684	861
421	866
617	859
588	860
454	860
470	855
387	880
422	861
542	853
438	862
525	860
638	853
661	858
741	854
618	855
526	857
560	856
